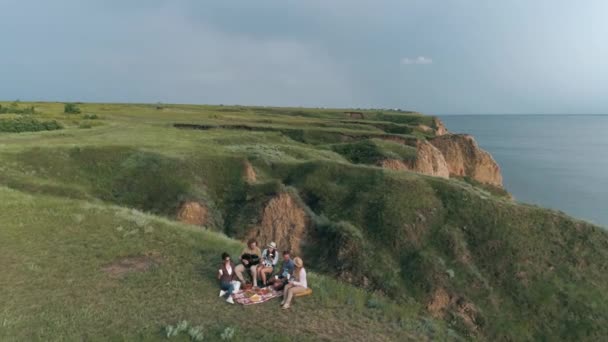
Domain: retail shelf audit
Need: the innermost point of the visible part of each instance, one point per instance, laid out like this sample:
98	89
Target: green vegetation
18	125
15	108
71	108
394	255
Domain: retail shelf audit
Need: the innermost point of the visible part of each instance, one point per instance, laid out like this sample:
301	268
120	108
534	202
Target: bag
237	285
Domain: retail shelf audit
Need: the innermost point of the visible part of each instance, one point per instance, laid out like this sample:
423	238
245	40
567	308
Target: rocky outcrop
428	161
193	213
465	159
439	127
284	221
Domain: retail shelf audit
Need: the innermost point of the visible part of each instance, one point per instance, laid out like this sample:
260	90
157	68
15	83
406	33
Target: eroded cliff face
428	161
439	127
194	213
284	222
465	159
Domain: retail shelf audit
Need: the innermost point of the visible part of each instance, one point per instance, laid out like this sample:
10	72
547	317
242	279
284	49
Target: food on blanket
249	294
255	298
263	291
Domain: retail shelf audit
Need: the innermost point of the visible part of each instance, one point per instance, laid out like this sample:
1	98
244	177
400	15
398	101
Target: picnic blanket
257	296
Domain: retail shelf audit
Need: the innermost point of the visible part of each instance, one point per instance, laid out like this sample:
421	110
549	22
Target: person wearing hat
270	259
296	284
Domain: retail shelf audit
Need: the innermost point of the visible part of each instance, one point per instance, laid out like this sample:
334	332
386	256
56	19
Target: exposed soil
249	172
284	222
465	159
442	302
126	265
429	161
193	213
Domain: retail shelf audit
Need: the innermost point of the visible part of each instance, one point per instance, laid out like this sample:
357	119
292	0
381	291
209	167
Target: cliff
448	155
466	159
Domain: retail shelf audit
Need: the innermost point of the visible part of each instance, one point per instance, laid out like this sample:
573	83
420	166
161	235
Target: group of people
263	265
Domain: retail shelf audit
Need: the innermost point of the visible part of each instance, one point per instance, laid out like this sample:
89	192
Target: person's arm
276	258
302	282
219	273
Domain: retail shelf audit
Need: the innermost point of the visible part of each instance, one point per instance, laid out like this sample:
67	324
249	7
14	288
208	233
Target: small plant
71	108
90	117
196	333
228	334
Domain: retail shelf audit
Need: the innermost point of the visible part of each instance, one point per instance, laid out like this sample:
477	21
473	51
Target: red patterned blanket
257	296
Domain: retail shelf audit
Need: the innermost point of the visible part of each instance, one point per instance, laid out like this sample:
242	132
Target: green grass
54	250
380	242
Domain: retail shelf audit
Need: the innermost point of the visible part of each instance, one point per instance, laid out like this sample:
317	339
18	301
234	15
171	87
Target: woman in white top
296	285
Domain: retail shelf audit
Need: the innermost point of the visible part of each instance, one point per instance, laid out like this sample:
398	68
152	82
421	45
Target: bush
15	109
90	117
28	125
71	108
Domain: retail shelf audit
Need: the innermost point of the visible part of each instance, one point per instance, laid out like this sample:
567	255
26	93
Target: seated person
286	271
227	278
270	258
250	258
296	284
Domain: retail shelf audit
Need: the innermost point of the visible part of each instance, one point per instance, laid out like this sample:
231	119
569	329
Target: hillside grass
54	251
382	243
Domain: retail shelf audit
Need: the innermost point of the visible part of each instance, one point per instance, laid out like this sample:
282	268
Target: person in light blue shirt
288	265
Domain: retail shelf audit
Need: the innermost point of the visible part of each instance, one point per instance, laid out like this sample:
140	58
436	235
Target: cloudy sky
434	56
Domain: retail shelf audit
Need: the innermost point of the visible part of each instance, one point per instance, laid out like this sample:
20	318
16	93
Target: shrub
19	125
71	108
90	117
15	109
361	152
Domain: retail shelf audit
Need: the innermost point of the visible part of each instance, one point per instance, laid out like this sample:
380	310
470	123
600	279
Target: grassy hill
396	255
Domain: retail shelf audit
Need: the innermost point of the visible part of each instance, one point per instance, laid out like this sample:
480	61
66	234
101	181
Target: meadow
394	255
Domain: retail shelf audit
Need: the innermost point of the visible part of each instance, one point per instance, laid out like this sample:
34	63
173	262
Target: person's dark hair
286	252
250	242
225	255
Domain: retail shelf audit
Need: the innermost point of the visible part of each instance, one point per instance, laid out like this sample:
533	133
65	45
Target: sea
553	161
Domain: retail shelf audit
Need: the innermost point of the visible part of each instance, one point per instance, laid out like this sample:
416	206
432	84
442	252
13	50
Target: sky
432	56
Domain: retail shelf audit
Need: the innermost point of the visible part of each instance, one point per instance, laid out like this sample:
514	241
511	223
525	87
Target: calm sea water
555	161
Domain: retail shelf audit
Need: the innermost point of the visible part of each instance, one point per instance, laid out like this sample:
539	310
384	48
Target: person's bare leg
263	274
239	269
291	293
254	275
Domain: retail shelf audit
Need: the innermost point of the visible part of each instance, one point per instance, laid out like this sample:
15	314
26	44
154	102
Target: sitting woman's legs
228	287
293	291
264	272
